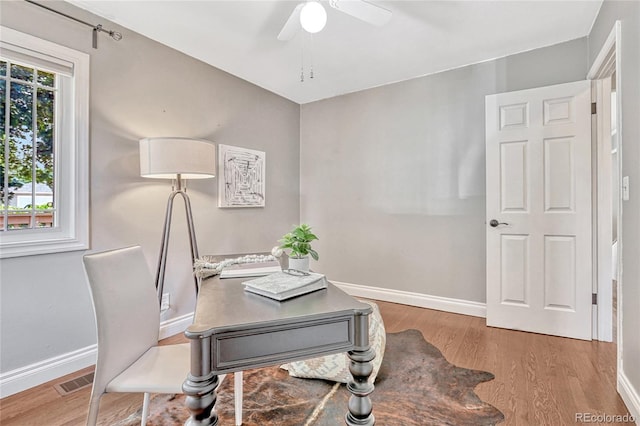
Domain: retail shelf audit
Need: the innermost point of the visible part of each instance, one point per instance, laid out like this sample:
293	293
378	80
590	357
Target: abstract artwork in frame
241	181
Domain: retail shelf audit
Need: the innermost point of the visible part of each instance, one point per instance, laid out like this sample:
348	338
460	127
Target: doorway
615	210
605	76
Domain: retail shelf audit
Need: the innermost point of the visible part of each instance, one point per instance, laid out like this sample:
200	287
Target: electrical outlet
165	302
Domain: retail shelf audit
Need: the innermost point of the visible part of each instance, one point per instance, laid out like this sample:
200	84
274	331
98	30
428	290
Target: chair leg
237	394
94	407
145	409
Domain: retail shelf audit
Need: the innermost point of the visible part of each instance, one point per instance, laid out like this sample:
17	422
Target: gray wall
140	88
394	175
392	178
628	12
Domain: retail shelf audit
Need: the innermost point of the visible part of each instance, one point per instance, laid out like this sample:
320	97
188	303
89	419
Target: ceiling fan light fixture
313	17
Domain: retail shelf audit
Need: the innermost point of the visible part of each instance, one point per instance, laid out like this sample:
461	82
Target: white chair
128	322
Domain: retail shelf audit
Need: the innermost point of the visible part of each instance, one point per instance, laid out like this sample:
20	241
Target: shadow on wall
431	160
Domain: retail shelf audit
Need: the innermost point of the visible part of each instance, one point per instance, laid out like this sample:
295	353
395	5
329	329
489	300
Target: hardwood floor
540	380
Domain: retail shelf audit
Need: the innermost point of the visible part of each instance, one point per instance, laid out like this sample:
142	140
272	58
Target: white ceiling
423	37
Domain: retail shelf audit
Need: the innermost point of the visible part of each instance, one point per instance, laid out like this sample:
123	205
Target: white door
538	158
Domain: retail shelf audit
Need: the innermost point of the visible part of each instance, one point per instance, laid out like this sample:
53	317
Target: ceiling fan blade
292	26
363	10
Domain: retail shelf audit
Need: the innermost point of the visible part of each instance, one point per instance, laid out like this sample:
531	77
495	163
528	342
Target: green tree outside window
27	136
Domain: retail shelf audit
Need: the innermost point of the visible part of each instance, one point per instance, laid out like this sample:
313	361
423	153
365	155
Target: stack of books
244	270
282	286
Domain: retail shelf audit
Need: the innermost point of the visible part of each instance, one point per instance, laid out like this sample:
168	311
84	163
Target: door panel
515	274
559	273
513	166
559	191
539	190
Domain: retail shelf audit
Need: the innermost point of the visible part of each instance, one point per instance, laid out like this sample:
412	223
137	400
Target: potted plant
298	244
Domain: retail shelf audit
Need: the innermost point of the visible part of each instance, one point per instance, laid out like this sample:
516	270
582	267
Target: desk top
223	305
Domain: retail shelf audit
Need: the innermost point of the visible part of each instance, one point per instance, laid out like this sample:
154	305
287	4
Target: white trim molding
606	63
40	372
173	326
457	306
629	395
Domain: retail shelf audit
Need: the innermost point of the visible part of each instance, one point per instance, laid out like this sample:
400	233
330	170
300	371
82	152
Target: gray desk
234	331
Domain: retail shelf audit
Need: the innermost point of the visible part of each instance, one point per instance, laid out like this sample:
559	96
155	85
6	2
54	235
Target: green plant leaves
298	241
313	254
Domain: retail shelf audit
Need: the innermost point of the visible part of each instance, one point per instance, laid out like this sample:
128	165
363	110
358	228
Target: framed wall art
241	177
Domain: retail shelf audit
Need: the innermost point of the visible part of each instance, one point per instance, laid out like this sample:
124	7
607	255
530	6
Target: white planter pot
301	264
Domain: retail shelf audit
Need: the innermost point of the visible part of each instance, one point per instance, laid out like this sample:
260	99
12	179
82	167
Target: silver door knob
494	223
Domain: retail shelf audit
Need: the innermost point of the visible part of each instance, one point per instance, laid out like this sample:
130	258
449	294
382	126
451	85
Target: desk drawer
261	346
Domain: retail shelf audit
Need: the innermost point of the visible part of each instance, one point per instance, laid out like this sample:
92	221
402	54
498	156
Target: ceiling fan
311	16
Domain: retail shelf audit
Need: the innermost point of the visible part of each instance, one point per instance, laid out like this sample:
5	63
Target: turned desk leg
360	406
200	385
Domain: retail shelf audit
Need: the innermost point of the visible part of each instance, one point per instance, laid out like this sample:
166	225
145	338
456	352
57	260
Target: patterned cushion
336	367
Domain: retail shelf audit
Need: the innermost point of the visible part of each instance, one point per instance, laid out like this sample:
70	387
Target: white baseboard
421	300
629	395
176	325
35	374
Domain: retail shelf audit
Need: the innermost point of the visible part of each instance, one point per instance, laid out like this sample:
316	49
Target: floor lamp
177	159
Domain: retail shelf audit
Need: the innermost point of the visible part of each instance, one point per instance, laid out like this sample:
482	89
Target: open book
282	286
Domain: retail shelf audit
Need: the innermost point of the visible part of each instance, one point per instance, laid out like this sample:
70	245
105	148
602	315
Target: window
44	93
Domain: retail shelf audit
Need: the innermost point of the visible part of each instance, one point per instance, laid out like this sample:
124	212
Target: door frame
606	63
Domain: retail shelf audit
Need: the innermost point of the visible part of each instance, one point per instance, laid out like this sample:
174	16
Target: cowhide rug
416	385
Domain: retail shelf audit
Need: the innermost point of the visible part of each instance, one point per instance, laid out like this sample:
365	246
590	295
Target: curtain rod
96	28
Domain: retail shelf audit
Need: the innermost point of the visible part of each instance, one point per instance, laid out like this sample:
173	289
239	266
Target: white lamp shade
164	158
313	17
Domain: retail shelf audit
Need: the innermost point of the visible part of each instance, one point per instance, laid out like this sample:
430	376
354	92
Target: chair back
126	308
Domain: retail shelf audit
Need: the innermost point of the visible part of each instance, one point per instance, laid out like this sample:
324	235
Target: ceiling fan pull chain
301	59
311	54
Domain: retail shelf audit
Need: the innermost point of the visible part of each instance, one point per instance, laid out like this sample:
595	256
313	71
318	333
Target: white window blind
32	58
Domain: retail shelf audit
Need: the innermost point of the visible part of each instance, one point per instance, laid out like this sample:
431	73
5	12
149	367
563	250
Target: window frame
71	160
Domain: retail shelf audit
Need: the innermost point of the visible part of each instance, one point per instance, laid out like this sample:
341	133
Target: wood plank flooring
540	380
